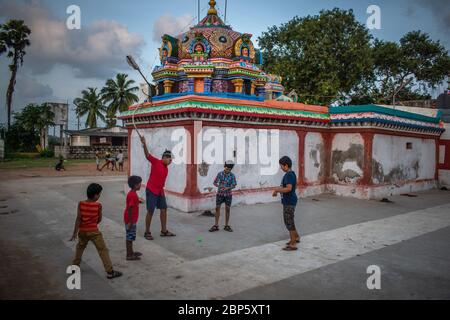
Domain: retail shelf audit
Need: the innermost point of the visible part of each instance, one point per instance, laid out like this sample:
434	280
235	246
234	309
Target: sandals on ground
228	228
114	274
288	243
167	234
289	248
133	258
214	229
148	236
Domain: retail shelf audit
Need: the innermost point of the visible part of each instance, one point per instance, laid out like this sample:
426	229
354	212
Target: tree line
332	58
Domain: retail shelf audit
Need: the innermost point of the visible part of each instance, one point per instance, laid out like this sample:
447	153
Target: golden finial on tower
212	9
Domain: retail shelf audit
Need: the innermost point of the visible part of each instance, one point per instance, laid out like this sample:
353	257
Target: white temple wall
347	158
158	140
398	160
252	174
314	158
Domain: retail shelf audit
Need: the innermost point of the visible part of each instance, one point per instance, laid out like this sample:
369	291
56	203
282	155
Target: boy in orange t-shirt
86	228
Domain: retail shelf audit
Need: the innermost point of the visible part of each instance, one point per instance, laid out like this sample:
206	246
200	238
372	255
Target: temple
211	89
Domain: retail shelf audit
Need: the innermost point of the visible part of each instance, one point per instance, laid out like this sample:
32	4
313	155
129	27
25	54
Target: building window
409	146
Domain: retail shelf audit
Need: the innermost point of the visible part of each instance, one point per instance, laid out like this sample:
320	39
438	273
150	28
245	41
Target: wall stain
396	175
318	163
203	169
354	154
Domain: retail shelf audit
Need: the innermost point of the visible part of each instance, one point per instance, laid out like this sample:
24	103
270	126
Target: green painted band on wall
225	107
386	111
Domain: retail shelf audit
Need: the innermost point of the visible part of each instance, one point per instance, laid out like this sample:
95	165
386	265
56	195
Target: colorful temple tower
212	59
211	91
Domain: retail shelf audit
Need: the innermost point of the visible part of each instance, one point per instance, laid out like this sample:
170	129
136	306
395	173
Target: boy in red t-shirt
86	229
156	198
131	216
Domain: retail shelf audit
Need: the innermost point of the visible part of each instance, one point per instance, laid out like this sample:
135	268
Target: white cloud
171	25
93	51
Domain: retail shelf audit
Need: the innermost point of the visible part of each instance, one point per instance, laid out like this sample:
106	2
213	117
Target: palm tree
90	104
118	94
13	40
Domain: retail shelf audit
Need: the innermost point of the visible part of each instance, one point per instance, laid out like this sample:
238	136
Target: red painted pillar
328	138
191	188
301	158
368	149
436	174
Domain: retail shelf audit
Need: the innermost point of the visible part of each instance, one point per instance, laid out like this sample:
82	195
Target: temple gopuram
210	82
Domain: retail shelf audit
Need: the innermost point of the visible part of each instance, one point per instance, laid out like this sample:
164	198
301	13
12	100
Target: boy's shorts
289	215
224	199
155	201
131	232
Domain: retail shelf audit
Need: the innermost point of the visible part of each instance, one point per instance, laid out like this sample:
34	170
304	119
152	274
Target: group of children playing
115	161
90	211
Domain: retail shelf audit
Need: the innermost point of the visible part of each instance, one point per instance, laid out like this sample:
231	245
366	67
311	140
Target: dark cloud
95	51
439	8
29	88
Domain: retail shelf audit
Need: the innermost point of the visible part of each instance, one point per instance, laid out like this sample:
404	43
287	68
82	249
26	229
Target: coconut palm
118	94
13	40
90	104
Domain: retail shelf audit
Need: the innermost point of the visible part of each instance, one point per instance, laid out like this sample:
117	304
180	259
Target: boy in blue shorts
289	201
225	182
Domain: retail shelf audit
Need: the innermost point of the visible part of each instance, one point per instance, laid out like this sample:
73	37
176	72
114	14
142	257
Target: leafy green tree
91	105
29	128
406	70
118	94
46	119
323	57
13	40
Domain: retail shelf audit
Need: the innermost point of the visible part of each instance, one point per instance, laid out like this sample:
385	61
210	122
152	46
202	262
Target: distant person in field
225	182
120	160
289	200
109	160
86	230
156	198
60	165
97	159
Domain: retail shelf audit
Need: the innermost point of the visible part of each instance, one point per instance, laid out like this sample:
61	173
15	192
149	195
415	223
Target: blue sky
62	63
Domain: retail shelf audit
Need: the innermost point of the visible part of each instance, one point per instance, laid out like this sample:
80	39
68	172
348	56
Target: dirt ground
72	170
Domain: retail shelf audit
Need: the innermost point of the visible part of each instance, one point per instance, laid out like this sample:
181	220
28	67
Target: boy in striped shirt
86	228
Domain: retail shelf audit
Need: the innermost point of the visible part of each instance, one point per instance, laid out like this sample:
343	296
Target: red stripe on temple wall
446	164
368	153
191	188
301	158
328	138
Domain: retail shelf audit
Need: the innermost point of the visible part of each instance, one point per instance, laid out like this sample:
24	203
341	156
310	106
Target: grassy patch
25	163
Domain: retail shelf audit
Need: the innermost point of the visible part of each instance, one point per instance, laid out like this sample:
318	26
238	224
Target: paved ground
408	239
